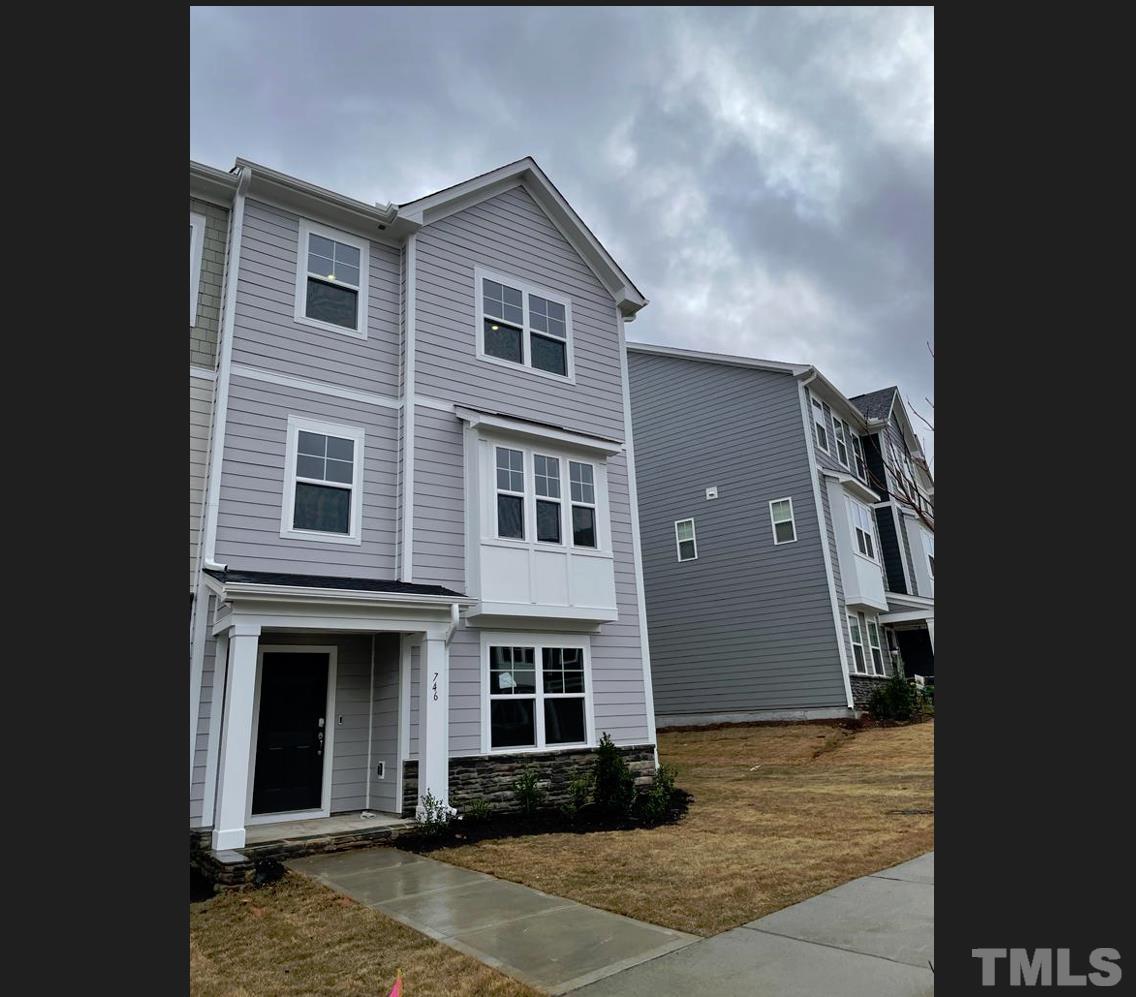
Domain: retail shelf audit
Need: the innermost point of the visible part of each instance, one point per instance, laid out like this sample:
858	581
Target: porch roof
229	577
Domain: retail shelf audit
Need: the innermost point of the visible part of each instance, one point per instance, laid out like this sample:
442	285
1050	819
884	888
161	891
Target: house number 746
435	687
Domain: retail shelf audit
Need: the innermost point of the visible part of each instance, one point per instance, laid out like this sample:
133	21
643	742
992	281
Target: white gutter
221	397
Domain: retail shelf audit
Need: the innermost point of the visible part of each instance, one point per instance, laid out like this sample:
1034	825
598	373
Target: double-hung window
859	466
520	323
323	484
859	664
839	434
861	518
196	251
784	526
546	475
874	647
331	280
867	650
510	493
929	550
583	493
820	422
537	694
685	540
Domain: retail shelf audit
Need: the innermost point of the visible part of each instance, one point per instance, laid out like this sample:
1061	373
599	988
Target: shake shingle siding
203	333
748	625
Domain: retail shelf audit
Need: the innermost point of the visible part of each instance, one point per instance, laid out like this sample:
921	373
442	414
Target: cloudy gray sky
765	176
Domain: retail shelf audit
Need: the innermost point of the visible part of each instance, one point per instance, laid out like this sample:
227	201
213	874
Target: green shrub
526	788
435	818
613	781
477	811
655	802
579	794
895	699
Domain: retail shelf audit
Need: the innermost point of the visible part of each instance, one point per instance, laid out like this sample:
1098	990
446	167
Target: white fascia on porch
257	610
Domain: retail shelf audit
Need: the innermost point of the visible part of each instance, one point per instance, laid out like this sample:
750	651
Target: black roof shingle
331	582
875	404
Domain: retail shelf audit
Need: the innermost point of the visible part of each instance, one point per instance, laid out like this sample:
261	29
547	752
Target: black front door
290	732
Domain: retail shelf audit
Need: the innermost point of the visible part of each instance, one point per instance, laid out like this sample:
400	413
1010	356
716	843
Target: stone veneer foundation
490	777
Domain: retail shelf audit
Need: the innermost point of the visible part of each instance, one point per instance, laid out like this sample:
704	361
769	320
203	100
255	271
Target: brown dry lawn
780	814
297	937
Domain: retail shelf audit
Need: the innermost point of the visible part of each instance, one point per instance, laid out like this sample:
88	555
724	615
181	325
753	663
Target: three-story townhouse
419	565
766	582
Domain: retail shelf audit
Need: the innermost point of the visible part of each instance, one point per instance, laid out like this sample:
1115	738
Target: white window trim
487	446
859	461
526	288
523	495
852	504
813	403
693	540
841	437
288	503
196	252
854	643
873	623
792	520
560	501
570	536
538	642
308	228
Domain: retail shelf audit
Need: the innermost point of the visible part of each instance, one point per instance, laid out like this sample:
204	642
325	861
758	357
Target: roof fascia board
525	171
853	484
211	184
380	222
719	358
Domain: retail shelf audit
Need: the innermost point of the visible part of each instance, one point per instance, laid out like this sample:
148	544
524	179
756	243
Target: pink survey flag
396	990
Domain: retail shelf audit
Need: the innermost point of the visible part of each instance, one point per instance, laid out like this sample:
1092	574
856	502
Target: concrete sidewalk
872	937
550	943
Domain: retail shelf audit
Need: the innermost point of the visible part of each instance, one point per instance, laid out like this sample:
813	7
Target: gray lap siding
748	625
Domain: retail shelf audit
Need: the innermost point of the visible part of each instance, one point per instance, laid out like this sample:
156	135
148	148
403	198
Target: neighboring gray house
782	578
416	561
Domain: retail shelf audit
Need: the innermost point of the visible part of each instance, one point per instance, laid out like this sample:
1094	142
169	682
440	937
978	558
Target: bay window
510	493
583	494
861	517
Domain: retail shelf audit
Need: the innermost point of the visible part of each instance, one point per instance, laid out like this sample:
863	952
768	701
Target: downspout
221	403
407	566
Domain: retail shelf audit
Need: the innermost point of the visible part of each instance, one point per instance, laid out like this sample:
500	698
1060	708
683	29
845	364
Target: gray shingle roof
875	404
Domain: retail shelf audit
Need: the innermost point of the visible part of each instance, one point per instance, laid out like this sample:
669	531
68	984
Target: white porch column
931	632
236	738
434	721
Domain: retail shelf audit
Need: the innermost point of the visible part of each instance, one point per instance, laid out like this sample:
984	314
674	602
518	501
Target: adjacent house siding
252	483
204	333
748	625
267	335
511	235
200	418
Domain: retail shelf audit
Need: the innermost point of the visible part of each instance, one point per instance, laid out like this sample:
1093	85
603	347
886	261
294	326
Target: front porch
316	676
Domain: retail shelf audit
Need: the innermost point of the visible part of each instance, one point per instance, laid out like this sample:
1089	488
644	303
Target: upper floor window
196	251
583	485
520	323
323	482
685	540
510	493
784	527
859	466
331	280
820	422
861	517
840	434
929	550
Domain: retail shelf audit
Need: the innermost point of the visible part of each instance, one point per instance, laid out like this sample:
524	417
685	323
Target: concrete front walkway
547	942
872	937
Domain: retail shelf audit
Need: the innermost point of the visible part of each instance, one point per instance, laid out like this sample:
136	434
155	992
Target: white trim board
316	387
